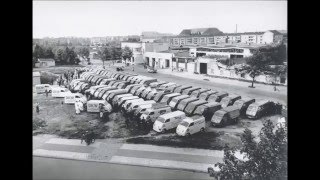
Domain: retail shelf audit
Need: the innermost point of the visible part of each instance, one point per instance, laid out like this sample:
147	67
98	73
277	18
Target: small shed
36	78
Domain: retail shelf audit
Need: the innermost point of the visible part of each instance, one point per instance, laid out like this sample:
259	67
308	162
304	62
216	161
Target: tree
126	53
266	159
116	52
38	52
105	54
84	52
256	65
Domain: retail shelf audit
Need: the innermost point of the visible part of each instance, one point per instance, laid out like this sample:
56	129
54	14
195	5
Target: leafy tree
126	53
116	52
264	159
105	54
48	53
256	65
84	52
38	52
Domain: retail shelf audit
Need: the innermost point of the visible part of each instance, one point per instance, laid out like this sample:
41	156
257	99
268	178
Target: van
72	97
189	90
217	96
84	87
160	95
41	88
141	109
100	90
117	98
100	79
168	121
104	91
93	89
197	93
122	100
122	85
157	84
152	95
113	82
106	81
229	100
184	103
191	125
94	106
134	88
127	104
191	107
167	85
115	92
182	88
135	105
243	104
150	115
173	88
146	92
207	110
259	109
130	86
205	95
59	92
146	82
176	100
225	116
168	97
117	83
139	91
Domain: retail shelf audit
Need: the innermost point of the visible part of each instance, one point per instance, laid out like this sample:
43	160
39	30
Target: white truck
168	121
191	125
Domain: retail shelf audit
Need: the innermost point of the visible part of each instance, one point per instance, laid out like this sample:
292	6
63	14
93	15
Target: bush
38	123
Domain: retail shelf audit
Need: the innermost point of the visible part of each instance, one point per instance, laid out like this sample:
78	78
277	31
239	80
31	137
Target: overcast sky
112	18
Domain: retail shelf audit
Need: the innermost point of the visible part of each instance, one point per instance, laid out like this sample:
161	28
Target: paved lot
48	168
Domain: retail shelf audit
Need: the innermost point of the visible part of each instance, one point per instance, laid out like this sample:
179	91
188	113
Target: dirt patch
207	140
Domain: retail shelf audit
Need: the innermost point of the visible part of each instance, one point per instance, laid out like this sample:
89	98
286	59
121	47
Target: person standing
37	108
46	91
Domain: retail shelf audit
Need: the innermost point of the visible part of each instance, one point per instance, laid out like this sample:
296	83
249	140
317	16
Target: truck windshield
184	123
253	108
238	103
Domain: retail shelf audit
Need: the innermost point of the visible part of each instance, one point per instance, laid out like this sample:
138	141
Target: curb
101	161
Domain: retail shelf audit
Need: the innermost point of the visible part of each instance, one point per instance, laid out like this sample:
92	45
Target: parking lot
61	119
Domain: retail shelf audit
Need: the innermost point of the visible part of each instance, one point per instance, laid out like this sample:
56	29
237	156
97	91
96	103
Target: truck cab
191	125
225	116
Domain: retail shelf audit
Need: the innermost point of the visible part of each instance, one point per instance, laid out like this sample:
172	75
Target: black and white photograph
159	89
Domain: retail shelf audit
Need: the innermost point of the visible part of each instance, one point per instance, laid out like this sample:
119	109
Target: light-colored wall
267	37
160	58
36	80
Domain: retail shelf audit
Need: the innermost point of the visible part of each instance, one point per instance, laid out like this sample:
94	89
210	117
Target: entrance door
167	63
203	68
153	62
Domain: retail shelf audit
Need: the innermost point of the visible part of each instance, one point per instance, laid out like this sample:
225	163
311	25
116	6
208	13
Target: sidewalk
114	151
263	87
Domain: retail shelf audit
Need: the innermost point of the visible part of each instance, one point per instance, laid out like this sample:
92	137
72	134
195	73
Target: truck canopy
193	105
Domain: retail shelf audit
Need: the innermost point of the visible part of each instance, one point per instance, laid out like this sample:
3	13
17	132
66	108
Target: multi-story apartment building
213	36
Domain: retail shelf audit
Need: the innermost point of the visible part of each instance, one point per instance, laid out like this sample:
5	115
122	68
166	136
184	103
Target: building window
202	40
171	41
195	40
176	41
189	40
210	40
182	41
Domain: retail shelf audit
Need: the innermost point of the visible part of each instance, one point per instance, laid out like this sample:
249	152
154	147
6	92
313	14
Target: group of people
88	137
65	78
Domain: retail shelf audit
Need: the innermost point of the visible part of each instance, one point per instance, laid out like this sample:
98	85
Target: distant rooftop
201	31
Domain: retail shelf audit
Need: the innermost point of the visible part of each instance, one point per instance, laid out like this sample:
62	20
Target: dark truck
229	100
226	116
207	110
190	90
243	104
205	95
176	100
197	93
193	106
184	103
217	96
167	98
181	88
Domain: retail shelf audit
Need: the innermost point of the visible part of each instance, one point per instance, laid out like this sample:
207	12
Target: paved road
48	168
255	93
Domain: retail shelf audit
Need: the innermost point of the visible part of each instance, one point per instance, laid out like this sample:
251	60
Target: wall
36	80
154	47
267	37
159	58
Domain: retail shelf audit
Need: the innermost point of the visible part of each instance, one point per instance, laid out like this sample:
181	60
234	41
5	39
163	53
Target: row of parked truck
167	105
